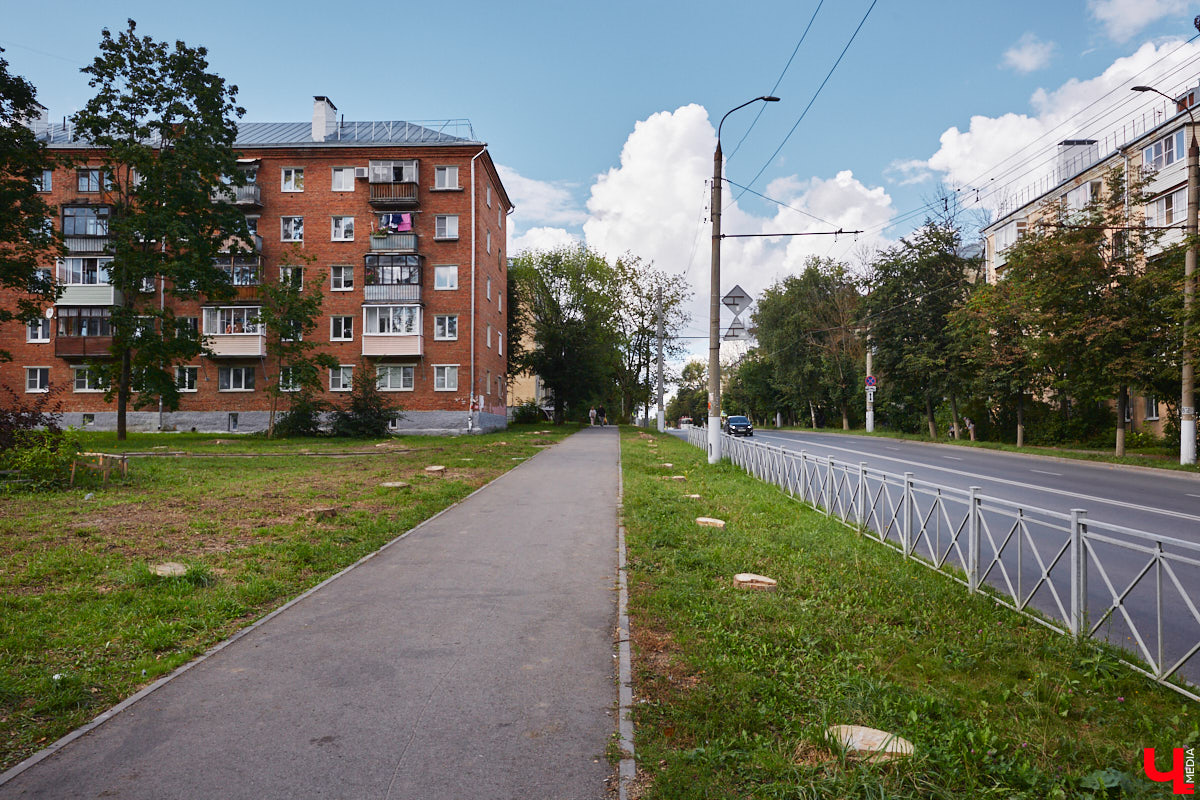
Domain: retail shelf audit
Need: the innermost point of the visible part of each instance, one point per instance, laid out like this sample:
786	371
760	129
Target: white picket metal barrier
1073	573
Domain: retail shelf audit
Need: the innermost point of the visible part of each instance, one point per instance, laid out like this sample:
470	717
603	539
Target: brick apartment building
405	226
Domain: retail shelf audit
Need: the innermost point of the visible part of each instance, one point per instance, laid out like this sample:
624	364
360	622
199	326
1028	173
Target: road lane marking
897	449
1189	494
1044	472
953	458
1018	484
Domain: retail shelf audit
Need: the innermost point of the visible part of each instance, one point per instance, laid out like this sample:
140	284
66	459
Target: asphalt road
472	658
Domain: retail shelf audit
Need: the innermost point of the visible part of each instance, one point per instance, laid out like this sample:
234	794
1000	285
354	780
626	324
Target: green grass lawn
734	688
84	620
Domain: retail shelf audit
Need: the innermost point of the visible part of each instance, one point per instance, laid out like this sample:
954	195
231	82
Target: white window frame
384	171
487	193
444	323
221	317
334	220
443	279
489	245
442	374
338	275
407	374
489	334
500	342
293	232
42	335
1163	153
333	328
1150	409
409	320
46	182
288	179
445	178
39	386
241	372
341	378
487	291
1167	209
69	276
290	274
337	173
186	378
287	382
442	224
91	381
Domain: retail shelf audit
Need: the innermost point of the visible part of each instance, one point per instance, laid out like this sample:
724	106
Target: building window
292	229
489	335
341	329
1151	414
87	380
488	288
341	279
188	327
1164	152
445	277
92	180
445	177
343	229
85	220
394	171
289	379
1170	209
341	378
37	330
252	225
445	226
46	182
85	321
37	379
89	420
343	179
292	276
445	378
487	193
1007	236
487	383
392	321
233	422
445	327
500	342
293	180
235	379
1082	196
489	245
185	378
392	378
232	320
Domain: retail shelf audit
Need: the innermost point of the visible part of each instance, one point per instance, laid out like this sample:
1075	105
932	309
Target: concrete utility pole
662	415
1187	401
714	300
870	394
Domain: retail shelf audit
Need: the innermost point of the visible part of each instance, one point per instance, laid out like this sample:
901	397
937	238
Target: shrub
368	411
43	457
26	413
528	412
303	417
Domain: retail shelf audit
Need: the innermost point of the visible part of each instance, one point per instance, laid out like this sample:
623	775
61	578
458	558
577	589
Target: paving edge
105	716
627	768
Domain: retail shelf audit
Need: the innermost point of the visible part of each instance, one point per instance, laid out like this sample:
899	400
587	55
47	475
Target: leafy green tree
752	390
691	397
914	287
162	129
572	300
368	412
290	313
640	287
26	238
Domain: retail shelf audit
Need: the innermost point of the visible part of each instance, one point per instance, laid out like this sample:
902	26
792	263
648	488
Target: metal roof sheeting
346	134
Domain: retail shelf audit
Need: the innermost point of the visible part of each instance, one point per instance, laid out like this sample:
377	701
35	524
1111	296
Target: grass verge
734	689
84	619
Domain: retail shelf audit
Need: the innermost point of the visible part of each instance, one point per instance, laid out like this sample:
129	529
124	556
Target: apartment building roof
299	134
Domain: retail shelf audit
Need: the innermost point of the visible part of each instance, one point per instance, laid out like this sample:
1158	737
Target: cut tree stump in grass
169	569
710	522
749	580
321	513
869	744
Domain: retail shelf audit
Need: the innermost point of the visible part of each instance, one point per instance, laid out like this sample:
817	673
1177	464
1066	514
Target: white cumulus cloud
1122	19
540	202
539	239
1029	54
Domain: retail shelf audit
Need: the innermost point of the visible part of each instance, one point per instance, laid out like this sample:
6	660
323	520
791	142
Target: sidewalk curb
105	716
627	768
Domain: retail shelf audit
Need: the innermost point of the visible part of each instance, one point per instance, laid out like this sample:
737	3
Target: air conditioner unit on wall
360	172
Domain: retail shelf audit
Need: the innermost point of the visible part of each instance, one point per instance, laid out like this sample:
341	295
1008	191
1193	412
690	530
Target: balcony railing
392	293
81	245
395	242
375	344
82	346
236	345
254	245
239	195
394	195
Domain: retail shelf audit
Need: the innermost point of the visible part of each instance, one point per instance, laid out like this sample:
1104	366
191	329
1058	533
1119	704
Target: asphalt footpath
472	658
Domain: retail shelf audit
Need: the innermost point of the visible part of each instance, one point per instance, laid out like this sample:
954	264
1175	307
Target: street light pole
1187	402
714	300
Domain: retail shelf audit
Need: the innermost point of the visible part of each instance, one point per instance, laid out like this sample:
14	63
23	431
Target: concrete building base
432	423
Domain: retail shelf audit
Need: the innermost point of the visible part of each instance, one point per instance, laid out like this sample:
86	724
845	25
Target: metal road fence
1073	573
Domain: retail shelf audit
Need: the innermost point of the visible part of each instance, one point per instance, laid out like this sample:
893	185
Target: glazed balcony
86	245
394	195
236	345
249	196
392	293
380	344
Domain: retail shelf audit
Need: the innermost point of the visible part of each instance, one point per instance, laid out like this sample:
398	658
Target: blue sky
603	117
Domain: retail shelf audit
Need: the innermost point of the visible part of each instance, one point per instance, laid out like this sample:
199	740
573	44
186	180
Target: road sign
870	395
870	381
737	300
737	332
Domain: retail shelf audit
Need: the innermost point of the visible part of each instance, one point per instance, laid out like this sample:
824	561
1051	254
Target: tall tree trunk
1021	420
929	418
123	394
812	412
558	412
271	419
954	412
1122	409
845	417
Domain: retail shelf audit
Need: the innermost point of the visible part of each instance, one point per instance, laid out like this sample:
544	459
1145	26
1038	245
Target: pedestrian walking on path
471	658
592	415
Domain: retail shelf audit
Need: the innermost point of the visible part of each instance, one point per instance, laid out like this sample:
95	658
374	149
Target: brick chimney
324	120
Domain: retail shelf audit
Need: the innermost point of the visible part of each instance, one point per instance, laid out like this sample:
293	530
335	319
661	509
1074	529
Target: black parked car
739	426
